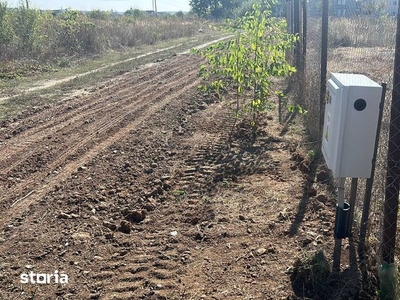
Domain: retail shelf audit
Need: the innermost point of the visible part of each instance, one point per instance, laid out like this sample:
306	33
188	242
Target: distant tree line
226	9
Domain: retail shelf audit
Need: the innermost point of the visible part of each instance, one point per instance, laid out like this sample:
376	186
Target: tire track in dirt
69	78
79	142
143	271
146	271
21	148
94	129
203	168
132	114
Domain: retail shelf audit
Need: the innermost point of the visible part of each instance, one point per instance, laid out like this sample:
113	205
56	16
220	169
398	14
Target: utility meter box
350	125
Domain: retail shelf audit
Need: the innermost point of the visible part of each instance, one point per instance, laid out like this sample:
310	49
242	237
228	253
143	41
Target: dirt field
133	191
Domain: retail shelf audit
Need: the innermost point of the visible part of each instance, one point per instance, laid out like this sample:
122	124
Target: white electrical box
350	125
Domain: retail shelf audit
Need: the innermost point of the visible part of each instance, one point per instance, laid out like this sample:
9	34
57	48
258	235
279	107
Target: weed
206	199
297	109
311	154
179	194
311	275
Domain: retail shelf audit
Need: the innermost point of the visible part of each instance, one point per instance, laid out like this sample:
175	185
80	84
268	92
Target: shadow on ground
312	278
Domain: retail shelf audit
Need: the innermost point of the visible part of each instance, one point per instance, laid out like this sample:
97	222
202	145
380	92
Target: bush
26	33
6	33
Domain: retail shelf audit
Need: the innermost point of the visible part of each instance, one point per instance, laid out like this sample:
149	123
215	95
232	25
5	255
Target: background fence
348	36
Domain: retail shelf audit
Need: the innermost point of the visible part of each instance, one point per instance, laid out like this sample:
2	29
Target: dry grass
59	41
362	32
354	32
374	62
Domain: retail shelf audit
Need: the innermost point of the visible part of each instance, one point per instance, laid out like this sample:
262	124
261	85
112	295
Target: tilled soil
136	191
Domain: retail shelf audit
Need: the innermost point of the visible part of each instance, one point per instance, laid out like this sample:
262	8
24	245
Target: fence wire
361	40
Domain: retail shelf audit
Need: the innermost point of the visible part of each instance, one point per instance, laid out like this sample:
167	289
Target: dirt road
132	192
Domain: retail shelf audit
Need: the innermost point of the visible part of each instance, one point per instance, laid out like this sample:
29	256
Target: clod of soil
135	216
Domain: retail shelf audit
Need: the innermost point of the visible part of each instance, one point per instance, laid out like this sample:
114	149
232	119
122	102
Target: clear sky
116	5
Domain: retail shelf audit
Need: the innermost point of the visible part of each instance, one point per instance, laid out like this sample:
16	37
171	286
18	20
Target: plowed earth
134	192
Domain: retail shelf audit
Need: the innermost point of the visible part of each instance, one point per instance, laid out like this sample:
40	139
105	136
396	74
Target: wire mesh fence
360	39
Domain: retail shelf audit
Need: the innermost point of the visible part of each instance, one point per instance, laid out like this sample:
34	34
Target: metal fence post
393	163
296	31
324	62
289	16
370	181
304	40
388	278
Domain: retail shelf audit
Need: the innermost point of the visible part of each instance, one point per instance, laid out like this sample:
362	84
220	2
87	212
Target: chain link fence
360	38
